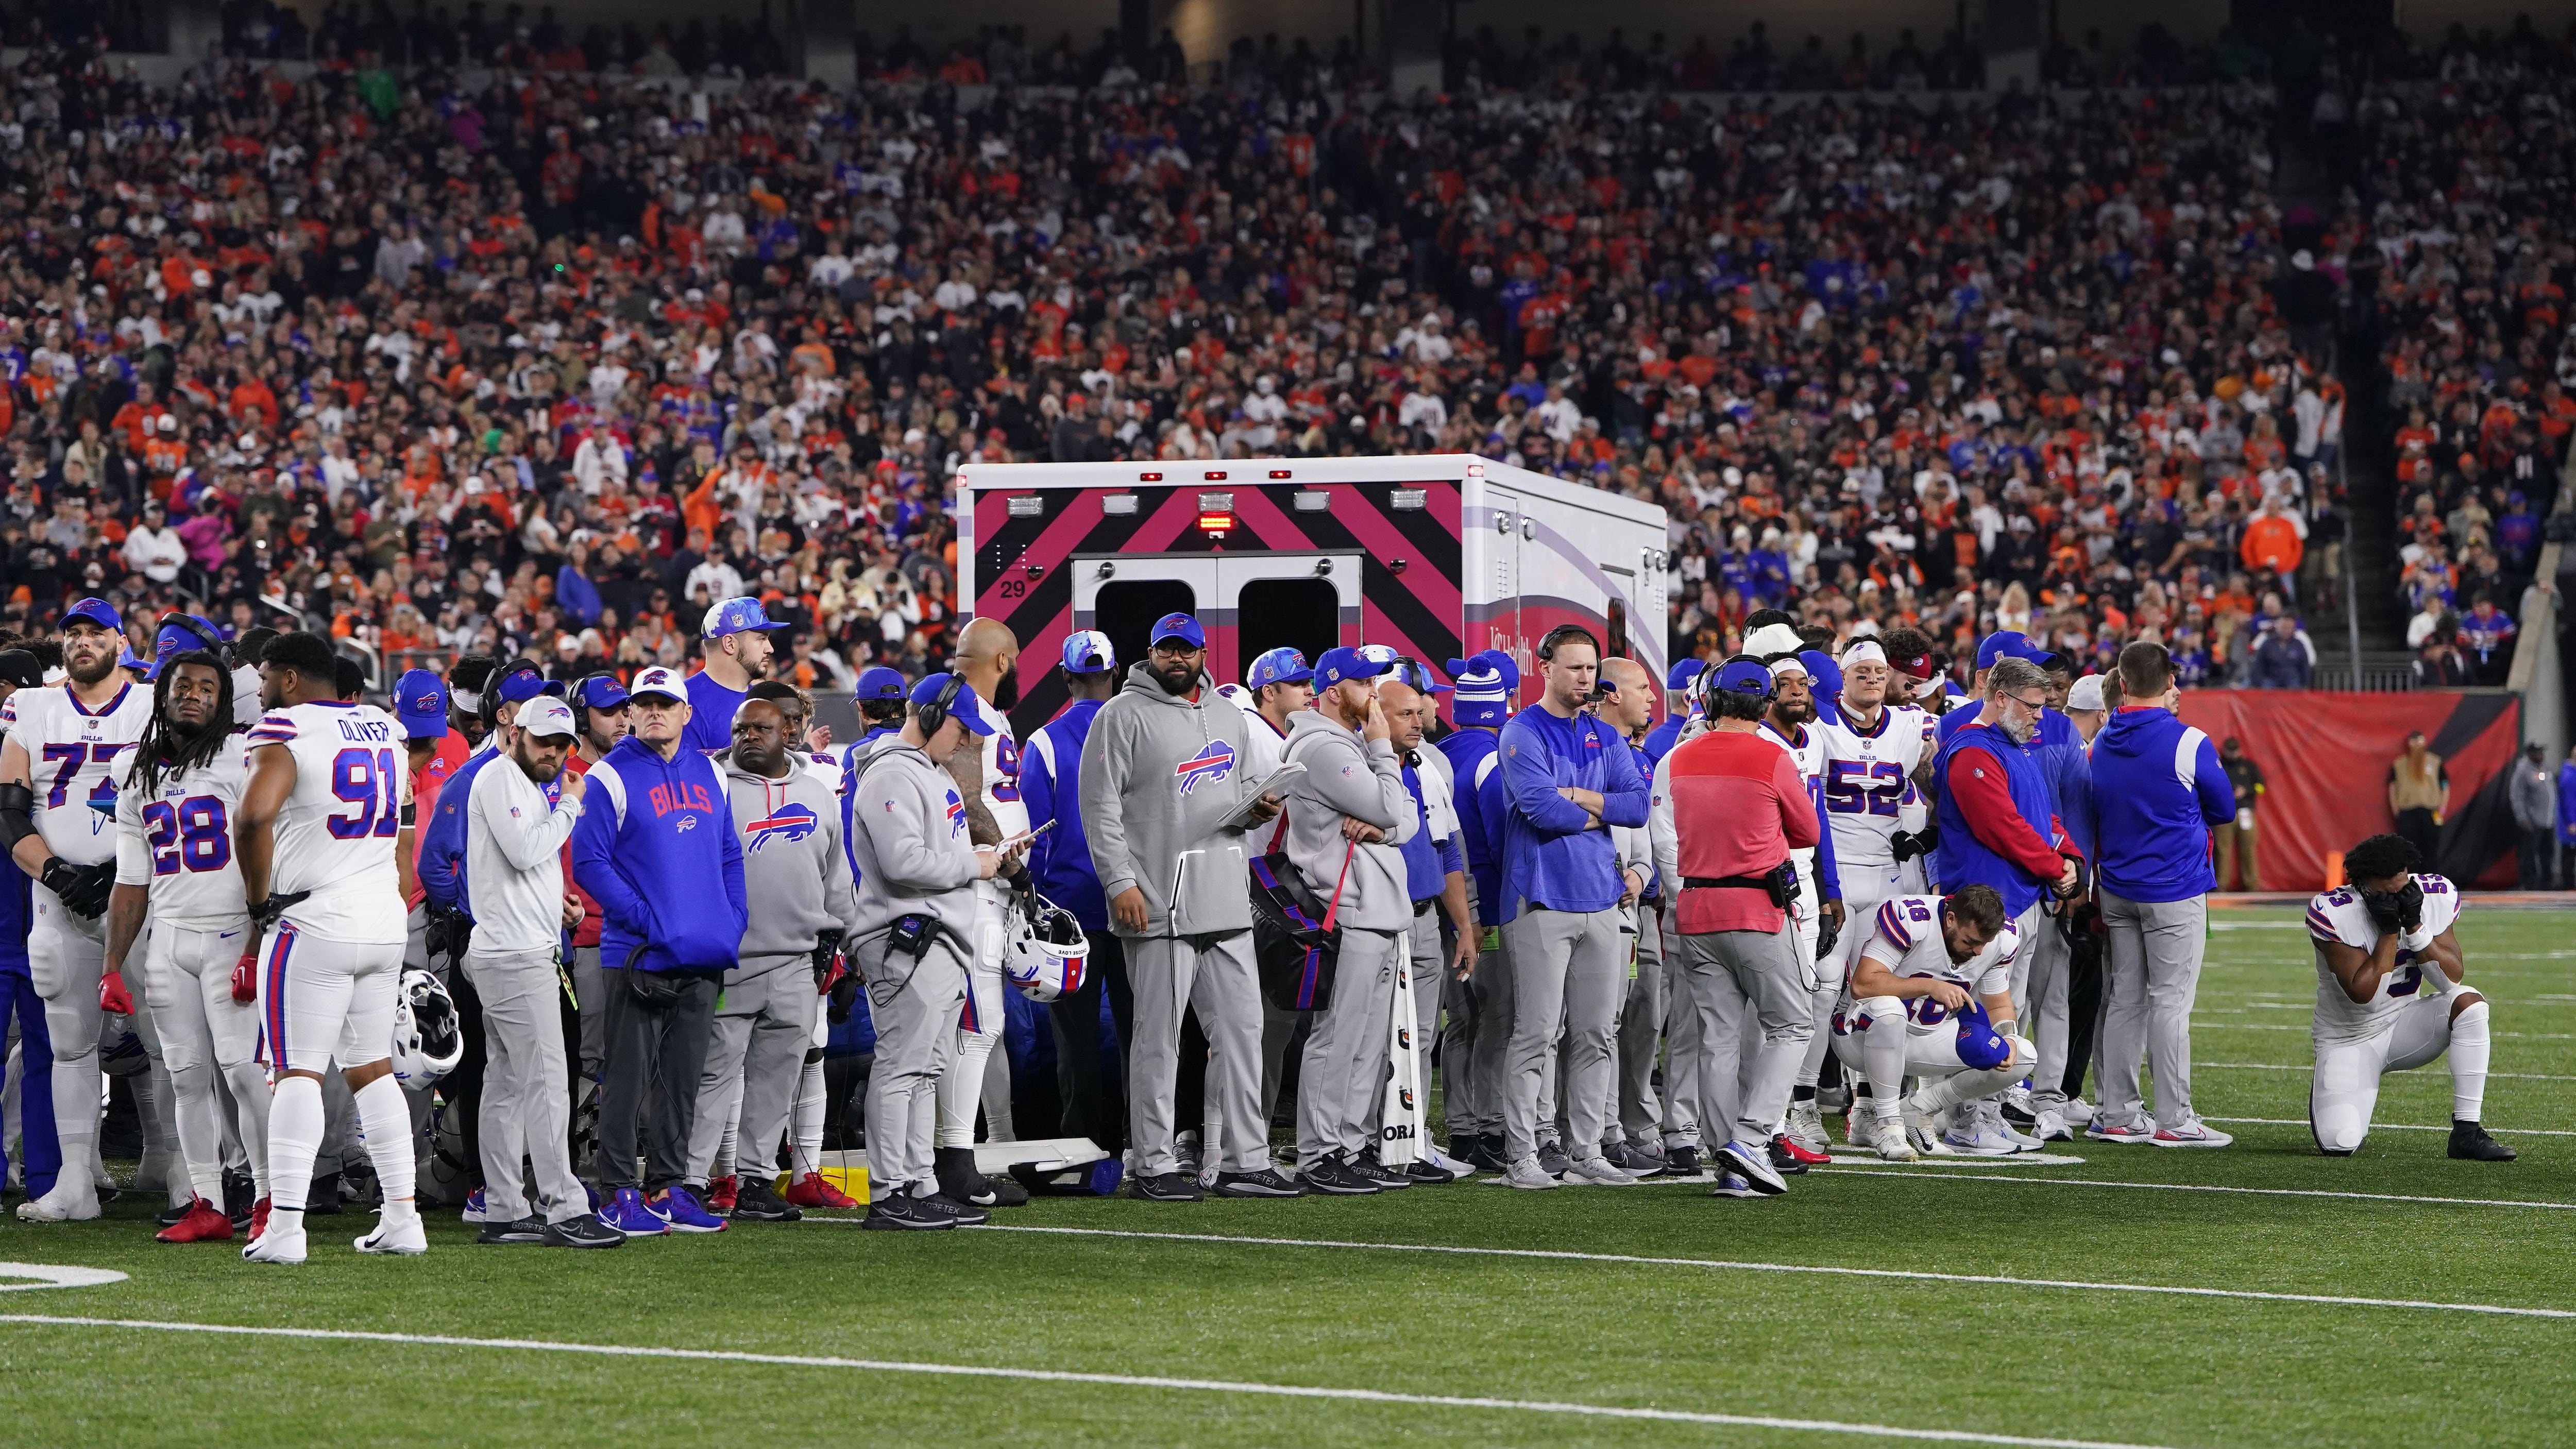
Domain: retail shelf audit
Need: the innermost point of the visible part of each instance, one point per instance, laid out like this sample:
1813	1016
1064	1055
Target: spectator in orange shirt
2274	545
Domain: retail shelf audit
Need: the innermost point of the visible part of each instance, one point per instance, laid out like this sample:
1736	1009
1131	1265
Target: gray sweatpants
915	1006
1641	1029
525	1109
1761	969
1215	975
2154	961
1341	1079
587	990
1567	978
1422	944
2051	966
764	1022
1489	1048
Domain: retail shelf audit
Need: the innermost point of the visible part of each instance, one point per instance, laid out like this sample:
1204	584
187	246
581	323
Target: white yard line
1060	1376
2311	1066
1944	1176
2396	1126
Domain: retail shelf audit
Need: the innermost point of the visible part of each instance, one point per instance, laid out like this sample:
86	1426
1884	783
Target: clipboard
1240	818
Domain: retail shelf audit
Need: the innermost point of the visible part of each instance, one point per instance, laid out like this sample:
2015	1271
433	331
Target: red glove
246	977
113	998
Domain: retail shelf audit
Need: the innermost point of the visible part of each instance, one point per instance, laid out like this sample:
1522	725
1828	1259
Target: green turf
1978	1357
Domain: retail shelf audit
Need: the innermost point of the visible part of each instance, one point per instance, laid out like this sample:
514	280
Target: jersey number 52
1861	787
366	779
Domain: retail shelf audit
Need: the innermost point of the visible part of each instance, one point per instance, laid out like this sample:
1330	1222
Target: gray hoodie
908	841
1159	772
1365	781
795	880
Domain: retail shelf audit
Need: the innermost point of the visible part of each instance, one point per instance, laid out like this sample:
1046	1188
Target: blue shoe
680	1207
629	1214
1752	1162
474	1206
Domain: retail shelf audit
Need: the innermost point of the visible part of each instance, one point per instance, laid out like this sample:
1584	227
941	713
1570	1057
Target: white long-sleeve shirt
514	843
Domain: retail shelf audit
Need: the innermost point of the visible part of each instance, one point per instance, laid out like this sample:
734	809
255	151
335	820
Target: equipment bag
1294	941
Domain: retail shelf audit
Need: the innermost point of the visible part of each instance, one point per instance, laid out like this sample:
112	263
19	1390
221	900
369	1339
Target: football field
2258	1295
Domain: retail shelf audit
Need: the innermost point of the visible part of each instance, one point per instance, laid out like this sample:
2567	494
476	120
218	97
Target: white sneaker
1979	1131
1806	1127
2076	1111
1888	1138
277	1245
2051	1127
2192	1133
73	1200
1524	1173
404	1238
2018	1097
1733	1185
1446	1163
1597	1172
1923	1134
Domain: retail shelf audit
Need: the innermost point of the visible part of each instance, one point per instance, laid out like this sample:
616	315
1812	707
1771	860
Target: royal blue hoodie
2158	787
1549	858
656	848
1481	807
1427	866
1051	788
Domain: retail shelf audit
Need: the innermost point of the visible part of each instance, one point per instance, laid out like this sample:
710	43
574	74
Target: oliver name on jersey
336	834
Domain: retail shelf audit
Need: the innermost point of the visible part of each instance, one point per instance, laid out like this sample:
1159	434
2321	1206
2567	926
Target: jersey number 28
366	779
188	835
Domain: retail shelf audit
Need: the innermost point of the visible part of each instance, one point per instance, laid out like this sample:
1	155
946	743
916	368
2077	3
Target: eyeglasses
2033	705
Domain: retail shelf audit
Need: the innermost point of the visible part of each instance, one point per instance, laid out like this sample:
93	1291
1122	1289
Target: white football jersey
2339	915
177	841
75	759
1868	778
1808	750
1002	773
336	835
1907	940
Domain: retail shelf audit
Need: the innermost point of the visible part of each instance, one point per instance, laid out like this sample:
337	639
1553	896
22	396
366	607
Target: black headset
214	643
1564	633
581	710
934	714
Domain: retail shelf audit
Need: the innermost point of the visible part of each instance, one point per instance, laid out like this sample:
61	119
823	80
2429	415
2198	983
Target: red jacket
1738	807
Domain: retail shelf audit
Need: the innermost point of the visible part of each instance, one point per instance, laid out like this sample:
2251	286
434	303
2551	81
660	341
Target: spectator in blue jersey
1570	779
1435	874
2158	788
737	648
1480	1007
1087	1073
40	1158
1679	702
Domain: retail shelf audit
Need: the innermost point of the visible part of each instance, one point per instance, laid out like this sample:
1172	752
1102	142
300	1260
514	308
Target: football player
174	856
58	774
1931	996
1790	722
2390	997
325	839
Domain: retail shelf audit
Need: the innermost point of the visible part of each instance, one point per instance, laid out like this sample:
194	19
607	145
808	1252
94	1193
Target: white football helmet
1046	951
428	1039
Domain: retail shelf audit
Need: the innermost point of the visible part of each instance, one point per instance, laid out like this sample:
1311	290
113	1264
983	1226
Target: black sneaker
902	1212
1387	1178
1168	1187
169	1217
1335	1178
1631	1157
1485	1151
240	1197
1462	1145
1428	1175
525	1230
2470	1143
586	1231
1783	1161
940	1204
1265	1183
322	1199
1682	1161
757	1201
1552	1159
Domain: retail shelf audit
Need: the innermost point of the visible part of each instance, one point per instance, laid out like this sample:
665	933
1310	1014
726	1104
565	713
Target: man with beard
988	777
1998	829
1162	782
57	815
1789	721
737	648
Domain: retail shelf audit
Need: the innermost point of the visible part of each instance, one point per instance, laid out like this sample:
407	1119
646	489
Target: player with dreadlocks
174	859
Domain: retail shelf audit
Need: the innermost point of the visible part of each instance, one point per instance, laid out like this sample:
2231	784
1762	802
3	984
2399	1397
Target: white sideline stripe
1136	1381
2311	1066
2199	1024
2495	1202
2394	1126
1562	1255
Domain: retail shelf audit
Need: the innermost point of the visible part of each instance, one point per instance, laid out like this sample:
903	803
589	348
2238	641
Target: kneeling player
2389	998
1931	996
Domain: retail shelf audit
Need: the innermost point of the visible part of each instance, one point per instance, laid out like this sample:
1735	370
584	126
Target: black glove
2387	908
1827	932
2410	905
827	944
845	994
83	889
265	914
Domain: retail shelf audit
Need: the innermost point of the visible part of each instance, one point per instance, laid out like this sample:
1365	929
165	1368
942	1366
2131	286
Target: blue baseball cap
600	691
97	611
879	682
1280	666
524	683
1418	674
1340	664
1744	674
1826	675
178	634
1683	673
126	658
733	616
2007	644
1178	626
1088	651
420	702
962	709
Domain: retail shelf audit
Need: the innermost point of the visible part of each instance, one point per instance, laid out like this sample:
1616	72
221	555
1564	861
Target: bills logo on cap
956	815
789	823
1213	763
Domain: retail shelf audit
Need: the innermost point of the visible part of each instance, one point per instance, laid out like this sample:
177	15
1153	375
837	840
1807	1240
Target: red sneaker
1802	1153
258	1220
202	1223
721	1194
811	1191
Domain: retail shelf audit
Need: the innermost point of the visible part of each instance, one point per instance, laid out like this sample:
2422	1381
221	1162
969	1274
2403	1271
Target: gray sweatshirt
908	840
795	881
1159	772
1346	776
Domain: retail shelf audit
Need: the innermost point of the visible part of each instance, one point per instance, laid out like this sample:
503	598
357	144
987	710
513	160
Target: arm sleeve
1829	874
442	843
1453	861
1376	797
737	899
522	842
2217	793
594	850
900	819
1623	790
133	856
1797	808
1986	801
1037	796
1529	784
1104	779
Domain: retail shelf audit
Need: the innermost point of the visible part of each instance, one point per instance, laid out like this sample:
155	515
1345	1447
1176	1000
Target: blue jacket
1549	858
2567	801
850	754
1661	739
1051	788
1426	866
711	711
2069	771
442	847
1481	808
2158	787
17	918
656	848
1961	859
